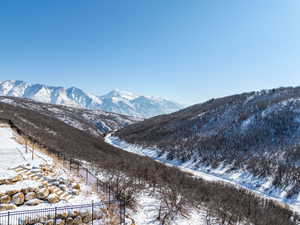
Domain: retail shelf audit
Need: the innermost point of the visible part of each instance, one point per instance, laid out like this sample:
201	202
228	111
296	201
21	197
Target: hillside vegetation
132	173
258	132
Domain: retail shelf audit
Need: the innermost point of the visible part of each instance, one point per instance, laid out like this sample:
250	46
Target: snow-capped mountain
115	101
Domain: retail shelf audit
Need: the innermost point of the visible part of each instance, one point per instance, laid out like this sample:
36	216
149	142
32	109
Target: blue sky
187	51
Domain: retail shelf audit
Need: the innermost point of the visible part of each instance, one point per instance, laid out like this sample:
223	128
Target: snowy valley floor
240	179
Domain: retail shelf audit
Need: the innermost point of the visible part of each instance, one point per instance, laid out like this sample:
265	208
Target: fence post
8	218
120	212
124	211
92	212
70	165
55	215
86	174
109	195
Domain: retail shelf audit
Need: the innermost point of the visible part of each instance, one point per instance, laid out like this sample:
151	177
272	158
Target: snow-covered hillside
239	178
95	122
257	133
115	101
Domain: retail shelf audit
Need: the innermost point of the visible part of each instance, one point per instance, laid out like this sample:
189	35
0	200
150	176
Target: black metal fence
94	214
112	191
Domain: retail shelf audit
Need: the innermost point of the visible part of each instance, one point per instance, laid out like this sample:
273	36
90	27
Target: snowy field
240	179
14	154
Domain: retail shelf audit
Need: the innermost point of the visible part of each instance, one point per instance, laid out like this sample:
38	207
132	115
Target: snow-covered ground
240	179
14	154
148	209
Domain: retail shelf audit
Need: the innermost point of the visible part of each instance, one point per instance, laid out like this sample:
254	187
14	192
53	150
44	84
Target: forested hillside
258	132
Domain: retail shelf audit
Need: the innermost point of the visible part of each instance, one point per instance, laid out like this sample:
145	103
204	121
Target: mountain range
115	101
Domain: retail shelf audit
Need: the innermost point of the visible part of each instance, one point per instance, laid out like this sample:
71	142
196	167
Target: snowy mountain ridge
115	101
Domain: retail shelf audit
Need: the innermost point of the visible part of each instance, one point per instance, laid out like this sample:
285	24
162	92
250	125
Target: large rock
5	207
29	196
53	198
62	215
34	202
60	222
43	193
63	187
77	220
9	177
87	219
17	178
75	192
69	221
28	190
76	186
5	199
18	199
13	191
50	222
73	213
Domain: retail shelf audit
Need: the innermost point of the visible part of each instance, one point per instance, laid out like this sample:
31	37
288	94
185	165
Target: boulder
87	219
69	221
34	202
43	193
18	198
60	222
5	199
62	215
63	187
76	186
5	207
29	196
51	190
75	192
73	213
77	220
17	178
53	198
28	190
13	191
50	222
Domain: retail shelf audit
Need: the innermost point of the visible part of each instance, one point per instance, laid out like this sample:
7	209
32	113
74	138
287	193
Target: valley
175	191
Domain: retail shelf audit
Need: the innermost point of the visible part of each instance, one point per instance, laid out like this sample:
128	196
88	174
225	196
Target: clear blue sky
186	50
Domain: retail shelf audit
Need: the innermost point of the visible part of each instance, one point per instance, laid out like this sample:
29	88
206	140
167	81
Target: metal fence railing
94	213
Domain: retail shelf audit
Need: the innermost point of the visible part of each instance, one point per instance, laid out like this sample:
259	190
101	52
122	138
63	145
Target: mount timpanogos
115	101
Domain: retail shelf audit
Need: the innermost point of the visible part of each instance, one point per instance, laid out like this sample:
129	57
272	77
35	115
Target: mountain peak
120	94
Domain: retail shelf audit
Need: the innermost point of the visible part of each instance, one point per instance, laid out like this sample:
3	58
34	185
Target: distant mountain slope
258	132
115	101
95	122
